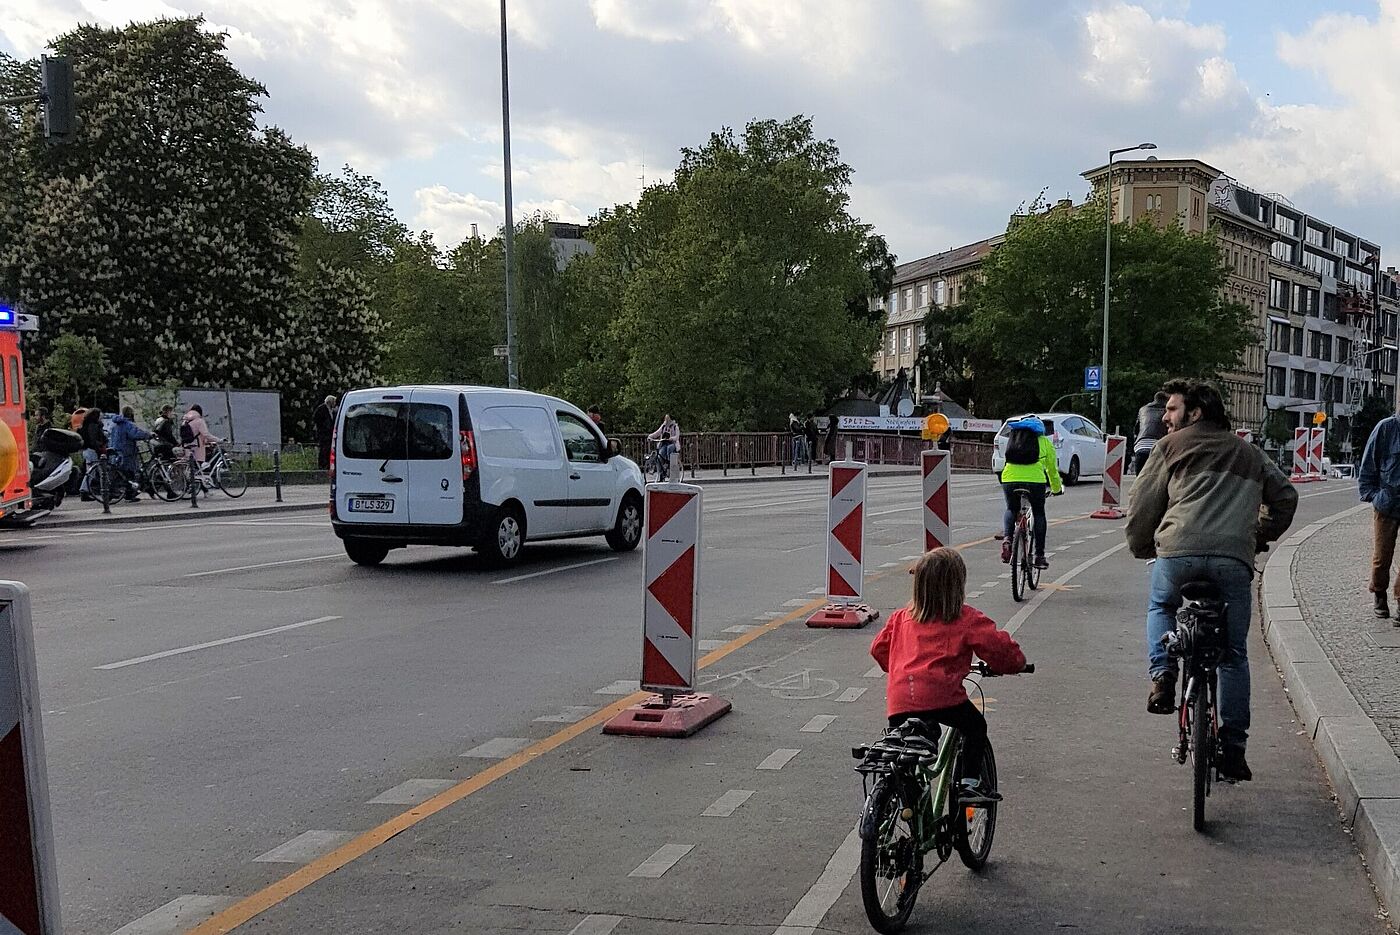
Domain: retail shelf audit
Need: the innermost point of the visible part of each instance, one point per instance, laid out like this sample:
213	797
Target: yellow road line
250	907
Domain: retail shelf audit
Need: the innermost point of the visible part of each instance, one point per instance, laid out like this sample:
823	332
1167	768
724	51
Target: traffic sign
1093	378
500	350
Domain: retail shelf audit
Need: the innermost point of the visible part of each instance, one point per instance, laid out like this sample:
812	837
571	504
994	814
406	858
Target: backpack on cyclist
1022	447
186	434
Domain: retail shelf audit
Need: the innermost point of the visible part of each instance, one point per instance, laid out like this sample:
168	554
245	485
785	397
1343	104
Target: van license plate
371	505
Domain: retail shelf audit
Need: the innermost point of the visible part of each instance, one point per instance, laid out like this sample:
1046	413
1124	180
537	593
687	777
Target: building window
1285	224
923	296
1323	266
1195	206
1279	336
1343	246
1278	294
1282	251
1321	346
940	289
1277	381
1344	350
908	340
890	342
908	298
1305	300
894	302
1315	237
1297	335
920	335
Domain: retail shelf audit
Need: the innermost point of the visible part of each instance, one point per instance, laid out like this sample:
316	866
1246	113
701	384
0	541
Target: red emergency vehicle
14	434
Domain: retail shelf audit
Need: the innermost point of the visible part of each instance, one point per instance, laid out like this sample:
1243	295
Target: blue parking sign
1093	378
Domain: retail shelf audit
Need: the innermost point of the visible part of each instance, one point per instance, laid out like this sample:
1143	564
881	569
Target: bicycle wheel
1020	547
974	825
111	486
231	478
1032	573
1202	756
170	481
891	867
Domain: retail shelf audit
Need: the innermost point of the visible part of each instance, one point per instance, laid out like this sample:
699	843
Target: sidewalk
256	500
1341	666
818	472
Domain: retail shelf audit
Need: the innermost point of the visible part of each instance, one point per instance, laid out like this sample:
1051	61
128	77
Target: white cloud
645	19
449	215
1134	55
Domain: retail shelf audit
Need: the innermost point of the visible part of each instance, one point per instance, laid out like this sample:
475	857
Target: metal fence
749	451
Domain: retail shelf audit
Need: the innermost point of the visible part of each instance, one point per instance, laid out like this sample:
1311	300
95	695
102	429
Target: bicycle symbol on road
799	686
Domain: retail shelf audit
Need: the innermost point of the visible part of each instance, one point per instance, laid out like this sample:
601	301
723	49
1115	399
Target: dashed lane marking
778	759
286	561
212	643
174	916
596	925
411	792
571	714
738	628
875	672
851	694
817	724
498	748
727	804
620	687
555	571
305	847
666	857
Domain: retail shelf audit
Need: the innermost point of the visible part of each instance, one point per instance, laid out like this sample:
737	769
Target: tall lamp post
1107	250
512	373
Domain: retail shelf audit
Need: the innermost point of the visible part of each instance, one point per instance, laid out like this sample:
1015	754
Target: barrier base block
843	616
1108	512
685	715
1303	478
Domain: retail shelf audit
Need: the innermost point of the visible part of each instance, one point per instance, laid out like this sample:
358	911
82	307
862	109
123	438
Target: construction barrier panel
1300	456
937	469
28	877
670	619
1115	447
845	549
1317	441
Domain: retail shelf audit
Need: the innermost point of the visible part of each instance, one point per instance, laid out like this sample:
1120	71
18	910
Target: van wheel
505	537
1072	477
366	553
627	531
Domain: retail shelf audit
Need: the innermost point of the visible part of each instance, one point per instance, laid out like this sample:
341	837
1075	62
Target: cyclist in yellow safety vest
1034	470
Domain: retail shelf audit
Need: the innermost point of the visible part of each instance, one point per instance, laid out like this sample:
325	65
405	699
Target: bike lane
747	825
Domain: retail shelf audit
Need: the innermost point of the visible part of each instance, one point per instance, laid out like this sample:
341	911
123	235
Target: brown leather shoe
1382	607
1162	699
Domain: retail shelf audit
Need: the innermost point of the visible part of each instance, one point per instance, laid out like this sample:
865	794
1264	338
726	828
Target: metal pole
277	472
195	482
1107	252
512	373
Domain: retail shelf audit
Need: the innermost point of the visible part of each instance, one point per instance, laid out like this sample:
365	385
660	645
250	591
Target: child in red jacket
927	650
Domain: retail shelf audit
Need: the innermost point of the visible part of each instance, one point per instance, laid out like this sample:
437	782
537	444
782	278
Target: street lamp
1107	249
512	373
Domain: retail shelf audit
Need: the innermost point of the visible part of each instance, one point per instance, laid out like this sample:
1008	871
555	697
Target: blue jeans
799	450
1233	577
1036	494
89	461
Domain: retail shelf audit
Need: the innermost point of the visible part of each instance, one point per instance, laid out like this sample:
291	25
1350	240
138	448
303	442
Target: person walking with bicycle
927	647
1031	466
195	436
668	439
125	434
1205	504
94	443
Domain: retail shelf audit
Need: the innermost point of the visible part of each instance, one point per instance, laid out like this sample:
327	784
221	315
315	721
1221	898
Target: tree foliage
73	370
1033	321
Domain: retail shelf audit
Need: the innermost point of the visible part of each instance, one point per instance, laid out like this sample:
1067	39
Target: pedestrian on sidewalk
1149	429
125	434
797	439
323	418
42	422
926	648
596	414
831	442
1205	504
809	431
164	434
195	436
94	443
1379	485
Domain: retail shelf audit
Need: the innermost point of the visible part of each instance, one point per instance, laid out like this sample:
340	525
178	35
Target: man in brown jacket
1205	503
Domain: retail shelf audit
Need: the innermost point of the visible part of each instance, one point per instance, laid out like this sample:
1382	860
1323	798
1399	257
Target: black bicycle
106	484
162	475
1024	575
655	466
1200	643
914	806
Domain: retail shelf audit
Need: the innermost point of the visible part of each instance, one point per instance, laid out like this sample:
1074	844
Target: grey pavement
226	701
74	512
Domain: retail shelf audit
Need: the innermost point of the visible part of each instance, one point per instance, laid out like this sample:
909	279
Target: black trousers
963	718
1037	494
323	456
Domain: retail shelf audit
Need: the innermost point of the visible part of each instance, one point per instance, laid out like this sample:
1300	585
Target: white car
1079	445
475	466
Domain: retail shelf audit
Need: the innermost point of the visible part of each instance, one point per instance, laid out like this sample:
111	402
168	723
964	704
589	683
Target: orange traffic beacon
14	443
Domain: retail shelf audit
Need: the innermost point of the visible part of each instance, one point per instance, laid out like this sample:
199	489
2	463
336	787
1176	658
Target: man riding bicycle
1204	505
1030	466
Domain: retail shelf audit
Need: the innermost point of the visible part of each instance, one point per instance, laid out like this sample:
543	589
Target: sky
952	113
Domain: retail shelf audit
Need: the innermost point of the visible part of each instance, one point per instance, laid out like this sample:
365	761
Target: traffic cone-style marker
1117	446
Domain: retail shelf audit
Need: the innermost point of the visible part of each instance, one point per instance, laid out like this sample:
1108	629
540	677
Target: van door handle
391	479
575	477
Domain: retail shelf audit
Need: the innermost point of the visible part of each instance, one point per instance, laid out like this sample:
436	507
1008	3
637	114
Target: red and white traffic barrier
670	617
1317	438
937	468
28	878
1300	456
1116	446
1245	435
845	550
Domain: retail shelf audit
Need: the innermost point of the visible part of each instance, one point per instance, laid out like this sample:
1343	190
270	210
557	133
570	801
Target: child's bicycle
913	808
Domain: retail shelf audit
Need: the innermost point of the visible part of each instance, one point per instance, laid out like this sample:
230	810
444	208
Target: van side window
374	431
2	380
430	432
14	381
519	433
580	443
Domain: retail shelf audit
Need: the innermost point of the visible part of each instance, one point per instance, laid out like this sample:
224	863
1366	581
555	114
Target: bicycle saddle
1201	594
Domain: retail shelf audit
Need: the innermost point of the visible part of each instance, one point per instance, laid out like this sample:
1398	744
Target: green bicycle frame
936	781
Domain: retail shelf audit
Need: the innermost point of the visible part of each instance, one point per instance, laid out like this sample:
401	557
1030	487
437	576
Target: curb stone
179	515
1360	763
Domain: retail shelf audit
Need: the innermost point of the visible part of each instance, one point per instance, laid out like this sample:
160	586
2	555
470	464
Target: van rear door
371	463
434	458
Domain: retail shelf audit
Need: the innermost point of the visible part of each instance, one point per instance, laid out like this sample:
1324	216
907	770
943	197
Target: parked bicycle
1200	642
165	477
223	472
913	807
107	484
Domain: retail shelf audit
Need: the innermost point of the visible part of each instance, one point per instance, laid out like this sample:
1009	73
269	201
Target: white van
475	466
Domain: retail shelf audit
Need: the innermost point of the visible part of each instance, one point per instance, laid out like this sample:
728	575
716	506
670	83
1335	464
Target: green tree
72	374
734	309
1034	317
1373	410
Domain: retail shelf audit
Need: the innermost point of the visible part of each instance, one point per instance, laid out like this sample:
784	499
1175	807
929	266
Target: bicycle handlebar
982	669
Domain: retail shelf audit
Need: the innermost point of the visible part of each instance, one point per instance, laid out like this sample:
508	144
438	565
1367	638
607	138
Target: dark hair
197	408
128	412
1160	399
166	408
92	415
43	413
1198	394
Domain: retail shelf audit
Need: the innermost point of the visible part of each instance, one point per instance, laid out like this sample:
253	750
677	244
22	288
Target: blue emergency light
9	316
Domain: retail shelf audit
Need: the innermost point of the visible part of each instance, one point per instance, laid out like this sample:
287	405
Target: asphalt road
175	764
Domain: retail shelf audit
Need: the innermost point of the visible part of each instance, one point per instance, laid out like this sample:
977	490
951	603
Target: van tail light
335	437
468	455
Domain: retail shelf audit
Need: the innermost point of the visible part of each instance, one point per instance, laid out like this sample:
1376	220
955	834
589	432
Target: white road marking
740	628
666	857
707	645
817	591
620	687
795	602
875	672
412	791
992	584
212	643
727	804
498	748
289	561
571	714
596	925
851	694
181	913
555	571
812	908
902	509
974	593
817	724
778	759
305	847
1004	575
909	558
